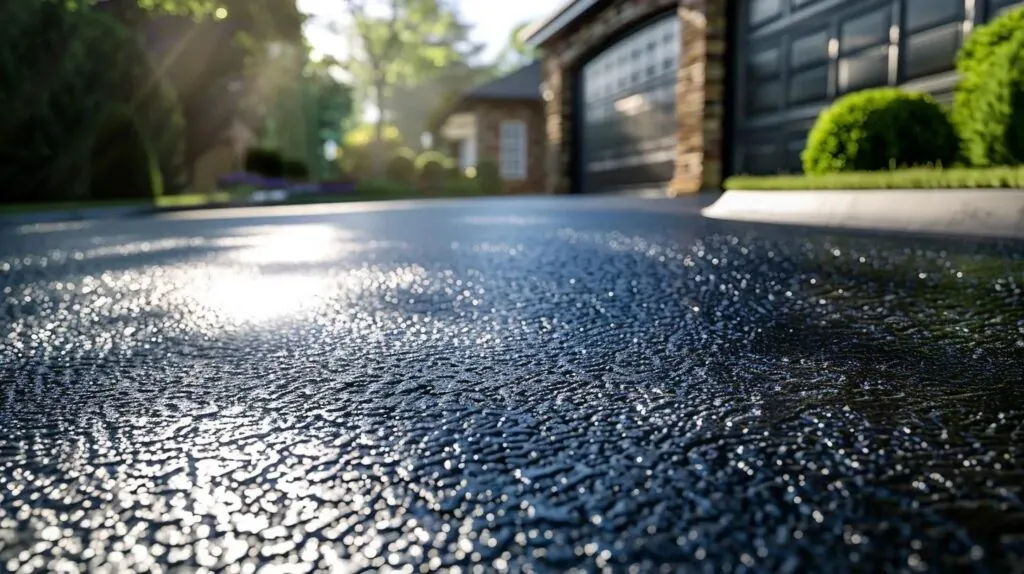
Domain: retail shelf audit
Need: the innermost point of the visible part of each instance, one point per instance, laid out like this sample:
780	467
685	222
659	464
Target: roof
543	30
522	84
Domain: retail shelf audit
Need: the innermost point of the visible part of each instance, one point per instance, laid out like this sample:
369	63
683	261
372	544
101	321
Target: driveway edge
995	213
66	215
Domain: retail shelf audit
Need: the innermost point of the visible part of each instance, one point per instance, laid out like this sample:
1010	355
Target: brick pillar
557	124
700	97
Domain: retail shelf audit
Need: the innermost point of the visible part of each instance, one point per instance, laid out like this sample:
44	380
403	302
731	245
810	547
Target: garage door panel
808	86
809	49
628	111
623	177
930	52
792	57
865	30
923	14
865	69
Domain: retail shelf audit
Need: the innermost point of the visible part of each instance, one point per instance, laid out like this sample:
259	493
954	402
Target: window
513	149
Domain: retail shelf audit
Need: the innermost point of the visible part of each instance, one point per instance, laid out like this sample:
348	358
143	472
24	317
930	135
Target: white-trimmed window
513	149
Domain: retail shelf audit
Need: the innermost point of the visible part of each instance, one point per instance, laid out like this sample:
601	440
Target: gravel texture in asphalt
523	384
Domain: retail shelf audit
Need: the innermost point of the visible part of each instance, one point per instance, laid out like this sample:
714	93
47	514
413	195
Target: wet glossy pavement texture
525	385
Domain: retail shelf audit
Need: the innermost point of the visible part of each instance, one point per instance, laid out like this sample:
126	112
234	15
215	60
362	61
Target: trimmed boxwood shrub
454	173
432	168
432	175
295	169
878	129
988	108
488	177
401	167
265	162
982	42
356	162
382	188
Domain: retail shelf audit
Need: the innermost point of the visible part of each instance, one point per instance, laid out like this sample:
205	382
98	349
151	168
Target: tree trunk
379	147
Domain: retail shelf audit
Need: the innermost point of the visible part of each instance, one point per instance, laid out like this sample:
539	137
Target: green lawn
915	178
193	199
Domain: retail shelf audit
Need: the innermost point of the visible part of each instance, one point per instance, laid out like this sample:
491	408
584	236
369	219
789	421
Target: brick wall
700	86
489	116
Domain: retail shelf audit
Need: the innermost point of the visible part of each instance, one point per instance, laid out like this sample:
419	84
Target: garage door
795	56
626	98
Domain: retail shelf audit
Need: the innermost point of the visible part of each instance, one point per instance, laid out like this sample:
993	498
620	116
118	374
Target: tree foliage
214	53
66	77
333	100
516	53
399	43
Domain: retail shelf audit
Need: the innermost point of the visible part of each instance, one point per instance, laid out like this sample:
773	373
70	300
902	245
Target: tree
214	53
516	53
420	107
396	42
65	77
413	104
333	101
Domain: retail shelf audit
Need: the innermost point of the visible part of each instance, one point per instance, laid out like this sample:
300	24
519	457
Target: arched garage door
627	110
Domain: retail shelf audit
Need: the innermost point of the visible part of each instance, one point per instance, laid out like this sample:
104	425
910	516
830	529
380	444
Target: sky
492	20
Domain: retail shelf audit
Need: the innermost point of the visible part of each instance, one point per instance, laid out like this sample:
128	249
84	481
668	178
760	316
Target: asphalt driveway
523	384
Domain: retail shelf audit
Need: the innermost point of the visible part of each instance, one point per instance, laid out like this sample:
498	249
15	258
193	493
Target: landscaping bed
913	178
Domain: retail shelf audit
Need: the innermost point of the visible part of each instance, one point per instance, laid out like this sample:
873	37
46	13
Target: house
678	94
502	121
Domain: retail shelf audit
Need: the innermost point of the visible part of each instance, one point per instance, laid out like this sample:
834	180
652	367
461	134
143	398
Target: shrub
488	177
295	169
433	156
454	173
463	186
401	167
383	188
988	106
265	162
120	165
981	44
432	168
878	129
356	162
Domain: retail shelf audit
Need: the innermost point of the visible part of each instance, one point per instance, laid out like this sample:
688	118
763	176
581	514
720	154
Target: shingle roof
522	84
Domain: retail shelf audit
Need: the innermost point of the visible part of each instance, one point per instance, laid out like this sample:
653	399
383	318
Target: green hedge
265	161
988	105
879	129
488	176
432	167
401	167
295	169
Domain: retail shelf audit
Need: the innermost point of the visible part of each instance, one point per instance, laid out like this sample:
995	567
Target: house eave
537	35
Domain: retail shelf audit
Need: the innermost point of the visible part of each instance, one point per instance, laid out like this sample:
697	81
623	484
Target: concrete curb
970	212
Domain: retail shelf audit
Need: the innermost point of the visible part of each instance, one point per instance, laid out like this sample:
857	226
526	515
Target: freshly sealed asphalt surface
544	384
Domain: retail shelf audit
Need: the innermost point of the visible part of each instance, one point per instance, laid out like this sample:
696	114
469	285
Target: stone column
700	96
557	94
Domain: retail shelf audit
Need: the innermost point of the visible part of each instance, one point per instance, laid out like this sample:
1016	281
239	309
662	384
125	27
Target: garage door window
628	116
513	150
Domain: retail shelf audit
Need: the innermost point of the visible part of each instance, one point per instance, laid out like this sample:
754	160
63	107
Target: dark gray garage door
794	56
626	98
